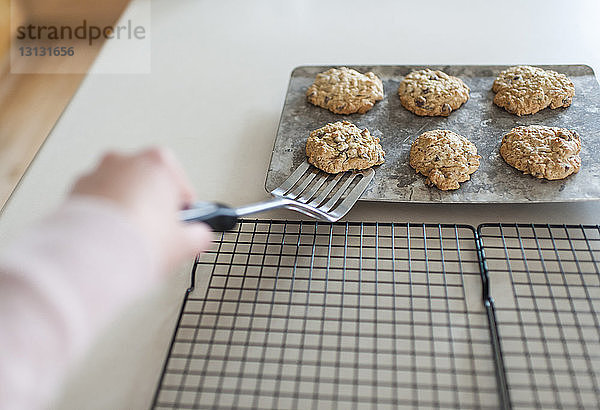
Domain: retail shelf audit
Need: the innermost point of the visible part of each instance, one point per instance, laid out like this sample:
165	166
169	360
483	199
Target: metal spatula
323	196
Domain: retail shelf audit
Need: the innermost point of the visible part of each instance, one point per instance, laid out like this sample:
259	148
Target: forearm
60	283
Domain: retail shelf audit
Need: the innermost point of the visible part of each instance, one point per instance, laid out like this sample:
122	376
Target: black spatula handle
218	217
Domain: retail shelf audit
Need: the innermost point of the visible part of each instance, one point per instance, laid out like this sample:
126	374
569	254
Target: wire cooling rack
352	315
545	280
363	315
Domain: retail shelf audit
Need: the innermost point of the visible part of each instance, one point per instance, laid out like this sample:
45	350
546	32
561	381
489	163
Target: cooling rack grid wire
346	315
545	280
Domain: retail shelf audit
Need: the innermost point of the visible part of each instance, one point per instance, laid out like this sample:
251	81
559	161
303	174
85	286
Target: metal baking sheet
478	119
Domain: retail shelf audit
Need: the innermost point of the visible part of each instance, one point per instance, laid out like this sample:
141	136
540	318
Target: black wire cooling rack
545	280
361	315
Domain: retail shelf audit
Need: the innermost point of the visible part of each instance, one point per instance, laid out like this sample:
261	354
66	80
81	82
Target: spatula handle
218	217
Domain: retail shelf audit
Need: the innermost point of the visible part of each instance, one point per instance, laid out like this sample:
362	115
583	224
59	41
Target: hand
151	188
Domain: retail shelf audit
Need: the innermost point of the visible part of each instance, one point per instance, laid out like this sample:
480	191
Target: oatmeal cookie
525	90
432	93
345	91
444	157
544	152
341	146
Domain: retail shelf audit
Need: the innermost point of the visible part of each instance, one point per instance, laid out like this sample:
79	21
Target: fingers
196	238
165	158
130	171
150	187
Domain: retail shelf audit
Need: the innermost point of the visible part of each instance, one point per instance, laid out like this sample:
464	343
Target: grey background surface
478	119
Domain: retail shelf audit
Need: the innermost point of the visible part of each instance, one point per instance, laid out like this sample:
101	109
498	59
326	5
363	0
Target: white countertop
219	76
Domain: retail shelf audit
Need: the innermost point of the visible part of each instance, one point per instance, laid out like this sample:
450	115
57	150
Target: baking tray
478	119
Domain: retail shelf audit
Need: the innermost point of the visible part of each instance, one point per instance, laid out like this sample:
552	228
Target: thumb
196	238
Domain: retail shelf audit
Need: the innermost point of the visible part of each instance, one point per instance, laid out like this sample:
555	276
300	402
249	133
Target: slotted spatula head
315	193
324	196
